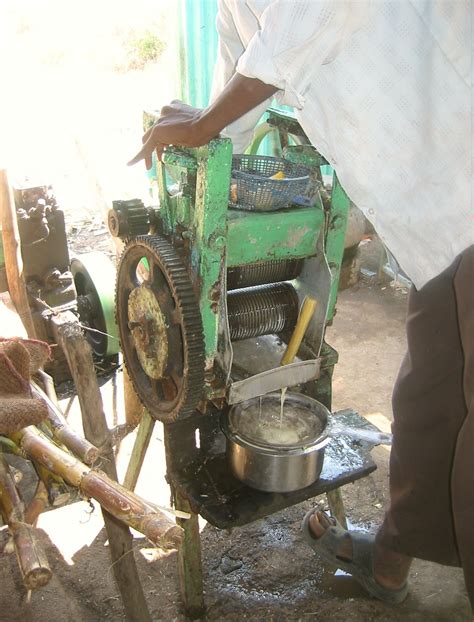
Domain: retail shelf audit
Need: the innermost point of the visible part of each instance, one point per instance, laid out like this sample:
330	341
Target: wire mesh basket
254	188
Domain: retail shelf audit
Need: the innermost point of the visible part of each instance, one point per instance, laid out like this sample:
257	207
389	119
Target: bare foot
390	568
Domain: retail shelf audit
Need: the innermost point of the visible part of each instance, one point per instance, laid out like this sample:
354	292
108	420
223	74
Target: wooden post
78	353
190	562
12	254
134	409
140	447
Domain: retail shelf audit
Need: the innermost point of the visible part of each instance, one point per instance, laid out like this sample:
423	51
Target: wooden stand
69	336
12	254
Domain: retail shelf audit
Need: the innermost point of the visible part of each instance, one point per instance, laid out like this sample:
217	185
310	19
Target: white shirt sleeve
296	35
230	49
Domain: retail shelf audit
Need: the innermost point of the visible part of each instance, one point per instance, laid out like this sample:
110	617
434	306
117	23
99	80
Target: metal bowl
271	466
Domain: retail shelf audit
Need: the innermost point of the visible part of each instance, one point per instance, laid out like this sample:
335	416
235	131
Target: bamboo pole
123	504
32	560
12	254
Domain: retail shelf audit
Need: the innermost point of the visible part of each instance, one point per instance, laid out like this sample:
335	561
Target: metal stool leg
336	505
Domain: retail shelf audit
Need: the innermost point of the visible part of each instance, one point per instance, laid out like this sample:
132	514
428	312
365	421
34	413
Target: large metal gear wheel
160	328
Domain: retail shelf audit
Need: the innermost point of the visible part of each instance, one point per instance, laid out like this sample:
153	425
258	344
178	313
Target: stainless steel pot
270	467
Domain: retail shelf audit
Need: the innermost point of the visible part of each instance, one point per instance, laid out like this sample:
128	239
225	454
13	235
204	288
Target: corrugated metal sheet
197	49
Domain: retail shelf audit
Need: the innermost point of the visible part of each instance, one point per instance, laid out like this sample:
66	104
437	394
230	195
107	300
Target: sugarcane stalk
31	557
49	388
37	505
57	490
11	505
9	447
63	433
114	498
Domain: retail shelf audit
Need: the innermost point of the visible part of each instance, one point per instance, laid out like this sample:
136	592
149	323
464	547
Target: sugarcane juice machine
200	289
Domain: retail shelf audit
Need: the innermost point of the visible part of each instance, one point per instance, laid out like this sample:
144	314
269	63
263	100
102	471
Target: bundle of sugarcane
124	505
62	466
65	464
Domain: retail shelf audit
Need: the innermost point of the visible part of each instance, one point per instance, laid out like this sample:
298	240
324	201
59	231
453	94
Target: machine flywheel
160	328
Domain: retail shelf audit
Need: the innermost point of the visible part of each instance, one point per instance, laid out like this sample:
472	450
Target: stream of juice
282	404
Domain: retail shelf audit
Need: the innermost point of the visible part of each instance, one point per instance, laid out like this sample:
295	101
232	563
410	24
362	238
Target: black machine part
130	218
160	328
42	232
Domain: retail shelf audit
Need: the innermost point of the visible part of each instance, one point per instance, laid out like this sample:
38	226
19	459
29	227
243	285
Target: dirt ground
262	571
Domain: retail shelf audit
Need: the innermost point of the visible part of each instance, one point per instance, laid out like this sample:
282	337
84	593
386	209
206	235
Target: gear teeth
191	328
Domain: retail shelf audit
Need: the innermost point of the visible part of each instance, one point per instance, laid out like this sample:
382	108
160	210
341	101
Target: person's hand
179	124
185	126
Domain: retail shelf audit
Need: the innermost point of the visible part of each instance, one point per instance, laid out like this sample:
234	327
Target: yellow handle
307	311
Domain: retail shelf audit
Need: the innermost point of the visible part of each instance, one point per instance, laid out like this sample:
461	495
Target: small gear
160	328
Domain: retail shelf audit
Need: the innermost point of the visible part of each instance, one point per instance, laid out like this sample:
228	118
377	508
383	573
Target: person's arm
185	126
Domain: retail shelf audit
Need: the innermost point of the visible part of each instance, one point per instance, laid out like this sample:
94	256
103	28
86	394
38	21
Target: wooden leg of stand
78	353
190	563
336	505
12	255
133	407
140	447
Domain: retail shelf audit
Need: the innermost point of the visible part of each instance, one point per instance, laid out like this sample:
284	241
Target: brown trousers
431	514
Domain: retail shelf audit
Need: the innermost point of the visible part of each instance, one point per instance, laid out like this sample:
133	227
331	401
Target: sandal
361	565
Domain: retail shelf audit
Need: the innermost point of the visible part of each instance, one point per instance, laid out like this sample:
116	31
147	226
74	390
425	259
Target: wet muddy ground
262	571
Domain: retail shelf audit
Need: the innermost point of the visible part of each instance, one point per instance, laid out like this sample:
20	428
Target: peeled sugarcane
31	557
63	433
119	502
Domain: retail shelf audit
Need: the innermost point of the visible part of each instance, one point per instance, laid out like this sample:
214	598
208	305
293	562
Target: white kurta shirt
383	90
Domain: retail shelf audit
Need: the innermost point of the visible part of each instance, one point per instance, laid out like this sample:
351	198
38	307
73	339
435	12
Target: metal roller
263	272
263	310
